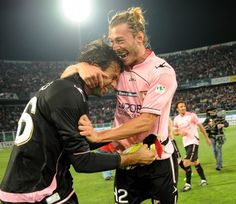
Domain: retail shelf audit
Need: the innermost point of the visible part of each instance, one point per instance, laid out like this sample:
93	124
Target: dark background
38	30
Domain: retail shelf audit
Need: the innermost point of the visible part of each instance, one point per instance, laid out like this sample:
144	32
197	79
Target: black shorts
155	181
191	152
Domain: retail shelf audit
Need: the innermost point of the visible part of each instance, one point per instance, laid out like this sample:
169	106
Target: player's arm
65	109
140	124
202	129
82	158
92	75
177	131
153	104
89	162
94	146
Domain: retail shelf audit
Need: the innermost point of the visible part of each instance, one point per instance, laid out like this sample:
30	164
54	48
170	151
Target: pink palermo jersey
146	88
188	124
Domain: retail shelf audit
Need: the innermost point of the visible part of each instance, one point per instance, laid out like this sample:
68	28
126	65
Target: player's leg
178	155
164	181
201	173
157	181
126	187
188	176
198	167
187	164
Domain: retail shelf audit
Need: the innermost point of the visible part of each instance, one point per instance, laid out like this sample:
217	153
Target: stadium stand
205	76
207	62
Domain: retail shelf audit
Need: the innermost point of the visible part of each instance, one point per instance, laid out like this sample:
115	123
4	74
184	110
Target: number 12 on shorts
120	196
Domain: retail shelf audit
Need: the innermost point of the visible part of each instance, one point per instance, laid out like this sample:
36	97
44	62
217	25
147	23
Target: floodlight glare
76	10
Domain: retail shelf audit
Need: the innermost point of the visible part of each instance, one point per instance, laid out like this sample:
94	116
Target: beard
133	55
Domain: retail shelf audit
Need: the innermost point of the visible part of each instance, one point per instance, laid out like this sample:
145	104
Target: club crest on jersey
160	89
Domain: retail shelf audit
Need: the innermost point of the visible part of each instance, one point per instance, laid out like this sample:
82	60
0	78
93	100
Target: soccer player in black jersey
48	142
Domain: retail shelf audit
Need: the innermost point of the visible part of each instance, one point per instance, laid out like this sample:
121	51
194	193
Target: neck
143	55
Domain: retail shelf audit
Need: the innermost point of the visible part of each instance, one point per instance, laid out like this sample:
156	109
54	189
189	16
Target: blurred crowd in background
19	80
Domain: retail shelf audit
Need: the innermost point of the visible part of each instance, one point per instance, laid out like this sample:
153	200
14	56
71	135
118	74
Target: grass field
91	188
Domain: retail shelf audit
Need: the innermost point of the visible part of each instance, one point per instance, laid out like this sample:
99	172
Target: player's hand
92	75
184	132
145	155
86	129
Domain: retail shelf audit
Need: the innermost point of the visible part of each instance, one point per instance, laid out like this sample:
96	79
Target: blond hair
135	20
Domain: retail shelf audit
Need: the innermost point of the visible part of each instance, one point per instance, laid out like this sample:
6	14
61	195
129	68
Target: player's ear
176	107
140	37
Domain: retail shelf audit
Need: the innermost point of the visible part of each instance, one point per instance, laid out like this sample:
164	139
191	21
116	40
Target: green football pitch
91	188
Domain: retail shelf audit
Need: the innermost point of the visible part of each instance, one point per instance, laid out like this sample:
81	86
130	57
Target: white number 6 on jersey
25	124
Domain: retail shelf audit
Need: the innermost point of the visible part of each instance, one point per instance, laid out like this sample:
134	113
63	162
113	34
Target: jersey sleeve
162	88
65	113
195	119
66	109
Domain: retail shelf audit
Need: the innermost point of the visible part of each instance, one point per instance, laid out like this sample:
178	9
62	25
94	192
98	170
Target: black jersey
48	142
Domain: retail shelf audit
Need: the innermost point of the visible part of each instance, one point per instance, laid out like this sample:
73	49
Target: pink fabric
33	197
146	88
67	198
188	124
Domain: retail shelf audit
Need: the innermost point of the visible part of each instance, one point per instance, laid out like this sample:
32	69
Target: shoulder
160	67
159	62
193	114
194	117
176	118
64	92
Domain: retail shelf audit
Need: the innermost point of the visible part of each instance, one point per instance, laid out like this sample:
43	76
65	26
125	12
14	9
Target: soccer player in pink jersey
186	124
144	94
